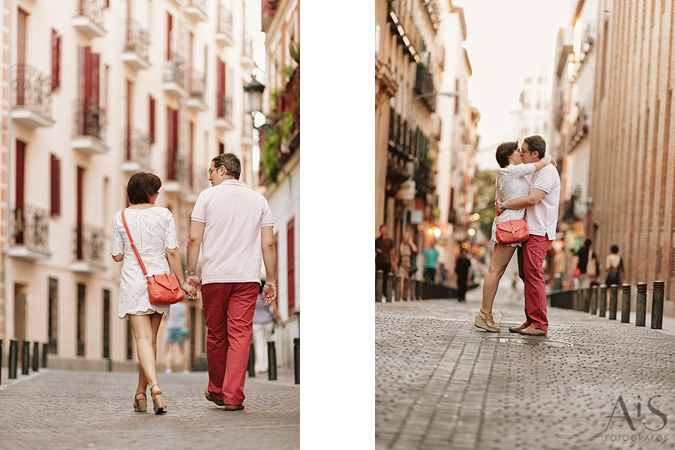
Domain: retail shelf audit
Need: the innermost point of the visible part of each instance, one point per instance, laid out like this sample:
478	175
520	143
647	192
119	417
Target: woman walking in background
405	251
153	231
511	183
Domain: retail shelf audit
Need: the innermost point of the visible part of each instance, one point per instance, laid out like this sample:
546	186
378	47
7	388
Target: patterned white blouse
153	231
513	183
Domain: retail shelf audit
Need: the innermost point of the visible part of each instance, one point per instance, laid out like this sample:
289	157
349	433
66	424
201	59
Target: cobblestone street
443	383
53	409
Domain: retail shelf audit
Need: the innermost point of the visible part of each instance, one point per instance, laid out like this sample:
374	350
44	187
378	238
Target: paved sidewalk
442	383
53	409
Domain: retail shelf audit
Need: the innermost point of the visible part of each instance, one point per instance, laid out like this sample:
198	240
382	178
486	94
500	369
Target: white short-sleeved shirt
542	218
153	230
233	217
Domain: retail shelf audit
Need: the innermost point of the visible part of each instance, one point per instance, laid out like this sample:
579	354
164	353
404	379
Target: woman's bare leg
501	255
145	329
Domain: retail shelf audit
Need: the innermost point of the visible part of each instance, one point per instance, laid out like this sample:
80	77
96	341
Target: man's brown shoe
210	398
234	407
532	330
518	329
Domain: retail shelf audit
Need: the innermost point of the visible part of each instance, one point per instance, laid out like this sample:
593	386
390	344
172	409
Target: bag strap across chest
138	255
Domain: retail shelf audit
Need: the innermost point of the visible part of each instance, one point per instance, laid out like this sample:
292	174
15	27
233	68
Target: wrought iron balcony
29	232
247	52
136	154
89	122
178	173
196	90
31	96
224	111
196	10
136	43
174	76
89	249
404	28
89	17
224	27
424	83
424	182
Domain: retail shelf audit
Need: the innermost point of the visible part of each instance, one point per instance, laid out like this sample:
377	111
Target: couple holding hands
527	181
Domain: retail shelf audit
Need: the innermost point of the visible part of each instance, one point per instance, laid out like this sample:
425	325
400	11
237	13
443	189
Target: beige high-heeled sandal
485	321
140	405
158	403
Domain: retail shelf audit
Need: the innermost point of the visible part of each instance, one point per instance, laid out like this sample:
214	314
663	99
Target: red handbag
510	231
163	288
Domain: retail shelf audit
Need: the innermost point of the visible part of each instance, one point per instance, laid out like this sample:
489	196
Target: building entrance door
20	314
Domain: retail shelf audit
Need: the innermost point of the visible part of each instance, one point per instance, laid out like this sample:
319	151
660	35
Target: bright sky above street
507	41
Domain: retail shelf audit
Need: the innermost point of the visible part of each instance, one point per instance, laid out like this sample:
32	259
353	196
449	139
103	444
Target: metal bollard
0	362
389	287
613	297
657	305
420	291
587	299
406	289
296	359
602	301
413	289
594	300
36	355
271	361
25	360
251	361
13	358
44	355
397	288
625	304
379	278
641	308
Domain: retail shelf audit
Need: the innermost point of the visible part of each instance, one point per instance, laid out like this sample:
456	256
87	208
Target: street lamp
254	93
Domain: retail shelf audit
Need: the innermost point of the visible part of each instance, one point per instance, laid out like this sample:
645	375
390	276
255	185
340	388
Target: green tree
484	205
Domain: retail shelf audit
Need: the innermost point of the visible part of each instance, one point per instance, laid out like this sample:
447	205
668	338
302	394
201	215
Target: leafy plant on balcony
275	139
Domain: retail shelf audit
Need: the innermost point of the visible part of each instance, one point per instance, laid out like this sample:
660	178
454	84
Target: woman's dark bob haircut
142	186
505	150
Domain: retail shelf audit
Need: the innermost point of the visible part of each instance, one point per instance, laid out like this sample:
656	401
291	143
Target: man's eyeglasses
213	170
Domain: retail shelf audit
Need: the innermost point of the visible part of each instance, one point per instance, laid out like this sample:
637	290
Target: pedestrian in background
542	218
587	264
614	267
442	273
462	268
263	328
153	231
385	252
430	259
234	227
176	332
406	250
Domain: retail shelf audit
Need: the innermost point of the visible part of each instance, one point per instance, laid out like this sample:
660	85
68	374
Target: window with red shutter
152	120
55	186
56	60
169	28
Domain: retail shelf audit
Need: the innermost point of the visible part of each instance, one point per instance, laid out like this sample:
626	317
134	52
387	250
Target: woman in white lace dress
512	183
154	233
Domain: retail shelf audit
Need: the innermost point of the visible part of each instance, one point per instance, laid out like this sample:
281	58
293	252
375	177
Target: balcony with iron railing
224	111
178	174
89	121
89	17
88	249
267	10
424	182
247	51
424	83
224	27
404	28
174	76
196	90
29	229
137	150
31	96
196	10
136	42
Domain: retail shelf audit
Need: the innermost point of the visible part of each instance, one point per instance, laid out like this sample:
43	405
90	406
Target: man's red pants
228	311
530	262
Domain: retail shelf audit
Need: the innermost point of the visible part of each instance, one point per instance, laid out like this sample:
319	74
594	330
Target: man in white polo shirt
234	227
542	218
